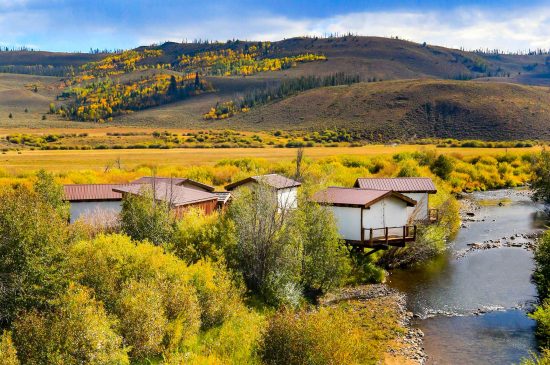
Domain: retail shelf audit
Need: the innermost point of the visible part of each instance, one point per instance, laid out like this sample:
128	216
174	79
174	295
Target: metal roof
356	197
174	180
92	192
223	196
274	180
174	194
400	184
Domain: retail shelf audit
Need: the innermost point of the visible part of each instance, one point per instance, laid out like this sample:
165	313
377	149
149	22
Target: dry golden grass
62	161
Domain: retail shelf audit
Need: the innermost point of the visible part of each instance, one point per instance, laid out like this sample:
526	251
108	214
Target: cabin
416	188
286	189
179	181
180	198
87	200
370	218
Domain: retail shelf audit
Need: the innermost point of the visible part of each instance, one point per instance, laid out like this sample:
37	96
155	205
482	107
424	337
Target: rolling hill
410	89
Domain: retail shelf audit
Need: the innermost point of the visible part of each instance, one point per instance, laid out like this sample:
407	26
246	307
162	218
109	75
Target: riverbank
406	347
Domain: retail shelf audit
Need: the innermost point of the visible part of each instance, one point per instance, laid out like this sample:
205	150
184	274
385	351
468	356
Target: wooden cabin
286	189
370	218
87	200
180	198
416	188
180	181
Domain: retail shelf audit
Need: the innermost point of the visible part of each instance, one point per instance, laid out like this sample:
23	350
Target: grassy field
61	161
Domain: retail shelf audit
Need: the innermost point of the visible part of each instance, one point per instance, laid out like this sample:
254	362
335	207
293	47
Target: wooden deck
383	238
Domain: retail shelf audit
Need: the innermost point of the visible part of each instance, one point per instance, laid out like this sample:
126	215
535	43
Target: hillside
392	109
422	108
132	89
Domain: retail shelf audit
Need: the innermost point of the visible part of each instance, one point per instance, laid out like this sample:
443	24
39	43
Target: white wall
420	211
287	198
389	212
83	209
348	220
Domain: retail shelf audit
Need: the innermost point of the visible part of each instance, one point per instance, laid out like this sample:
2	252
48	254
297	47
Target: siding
85	209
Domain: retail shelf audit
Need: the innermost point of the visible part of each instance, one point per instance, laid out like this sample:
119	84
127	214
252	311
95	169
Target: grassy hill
414	92
391	109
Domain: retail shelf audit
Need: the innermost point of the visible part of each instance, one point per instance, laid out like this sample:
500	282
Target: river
472	304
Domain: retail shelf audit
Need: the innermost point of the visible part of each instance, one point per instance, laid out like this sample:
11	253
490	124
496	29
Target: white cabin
416	188
368	216
286	189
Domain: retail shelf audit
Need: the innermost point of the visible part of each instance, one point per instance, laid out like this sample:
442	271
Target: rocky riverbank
407	347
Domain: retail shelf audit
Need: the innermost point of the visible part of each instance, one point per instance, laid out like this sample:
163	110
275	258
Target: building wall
208	207
287	198
420	211
348	220
84	209
389	212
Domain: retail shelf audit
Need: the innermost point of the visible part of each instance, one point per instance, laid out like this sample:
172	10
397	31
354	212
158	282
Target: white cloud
471	28
22	21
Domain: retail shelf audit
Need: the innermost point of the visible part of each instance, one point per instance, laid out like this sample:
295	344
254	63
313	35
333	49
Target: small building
180	198
87	200
369	218
286	189
180	181
416	188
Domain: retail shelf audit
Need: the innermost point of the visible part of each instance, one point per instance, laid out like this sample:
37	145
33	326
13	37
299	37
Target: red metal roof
173	180
174	194
356	197
400	184
274	180
92	192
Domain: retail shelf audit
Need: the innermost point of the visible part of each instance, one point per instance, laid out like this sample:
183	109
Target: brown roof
356	197
92	192
274	180
400	184
173	180
174	194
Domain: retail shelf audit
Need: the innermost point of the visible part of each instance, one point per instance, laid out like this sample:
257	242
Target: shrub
149	290
144	218
541	181
541	275
442	167
8	354
77	331
33	241
199	237
345	334
142	318
542	316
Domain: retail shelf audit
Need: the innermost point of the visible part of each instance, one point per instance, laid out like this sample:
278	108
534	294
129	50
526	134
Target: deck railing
396	236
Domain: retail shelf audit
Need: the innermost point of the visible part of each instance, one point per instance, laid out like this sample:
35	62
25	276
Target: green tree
541	276
325	261
268	248
51	192
145	218
76	331
442	167
33	243
541	179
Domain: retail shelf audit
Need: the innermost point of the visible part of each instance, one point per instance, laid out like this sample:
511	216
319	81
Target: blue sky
72	25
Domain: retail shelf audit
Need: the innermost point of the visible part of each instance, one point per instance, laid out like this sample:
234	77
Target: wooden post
387	237
414	236
370	240
404	234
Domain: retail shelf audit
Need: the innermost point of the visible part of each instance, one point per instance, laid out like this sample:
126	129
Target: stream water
472	305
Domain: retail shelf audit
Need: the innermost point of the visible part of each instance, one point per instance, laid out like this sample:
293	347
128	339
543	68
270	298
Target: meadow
24	162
